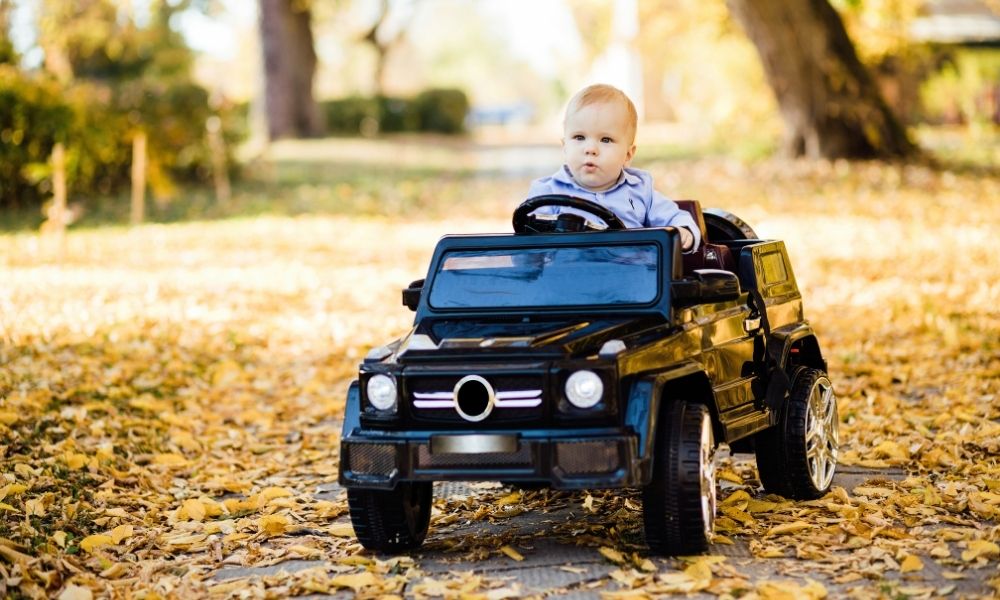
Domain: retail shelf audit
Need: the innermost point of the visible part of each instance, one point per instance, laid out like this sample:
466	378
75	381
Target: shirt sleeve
664	212
541	187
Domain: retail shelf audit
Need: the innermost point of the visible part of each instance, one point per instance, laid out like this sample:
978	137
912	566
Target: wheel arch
797	347
651	396
693	387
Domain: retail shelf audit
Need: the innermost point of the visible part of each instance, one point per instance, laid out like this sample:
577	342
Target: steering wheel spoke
525	222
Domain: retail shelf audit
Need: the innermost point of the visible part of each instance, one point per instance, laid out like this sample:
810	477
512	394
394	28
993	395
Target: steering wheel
525	222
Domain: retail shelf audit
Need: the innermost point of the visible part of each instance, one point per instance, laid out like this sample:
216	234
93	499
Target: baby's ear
630	155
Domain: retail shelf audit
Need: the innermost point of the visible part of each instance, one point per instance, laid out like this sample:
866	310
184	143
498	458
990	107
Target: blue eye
606	140
578	137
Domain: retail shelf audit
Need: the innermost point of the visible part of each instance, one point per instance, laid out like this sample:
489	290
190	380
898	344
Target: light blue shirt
633	199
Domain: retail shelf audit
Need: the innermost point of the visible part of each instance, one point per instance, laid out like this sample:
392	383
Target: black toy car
582	355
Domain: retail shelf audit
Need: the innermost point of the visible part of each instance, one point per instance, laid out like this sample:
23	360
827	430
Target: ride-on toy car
581	355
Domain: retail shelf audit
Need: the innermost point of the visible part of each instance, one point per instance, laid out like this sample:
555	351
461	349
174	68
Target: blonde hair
599	93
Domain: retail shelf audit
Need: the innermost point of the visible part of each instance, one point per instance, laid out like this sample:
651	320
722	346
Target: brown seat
708	255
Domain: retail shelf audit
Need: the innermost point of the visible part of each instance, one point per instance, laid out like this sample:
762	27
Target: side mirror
706	285
411	294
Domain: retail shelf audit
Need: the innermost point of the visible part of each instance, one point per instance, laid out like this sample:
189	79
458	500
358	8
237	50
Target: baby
598	145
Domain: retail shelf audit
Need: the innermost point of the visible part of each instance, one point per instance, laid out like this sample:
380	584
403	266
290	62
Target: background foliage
431	111
110	79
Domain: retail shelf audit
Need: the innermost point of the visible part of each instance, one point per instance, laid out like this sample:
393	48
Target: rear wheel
678	505
391	520
797	457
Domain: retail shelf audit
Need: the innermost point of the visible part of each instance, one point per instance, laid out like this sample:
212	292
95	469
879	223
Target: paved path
554	566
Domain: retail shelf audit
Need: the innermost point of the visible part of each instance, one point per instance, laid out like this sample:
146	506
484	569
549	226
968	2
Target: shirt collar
564	176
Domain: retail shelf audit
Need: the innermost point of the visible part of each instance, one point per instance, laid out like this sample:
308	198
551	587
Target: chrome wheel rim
822	433
707	483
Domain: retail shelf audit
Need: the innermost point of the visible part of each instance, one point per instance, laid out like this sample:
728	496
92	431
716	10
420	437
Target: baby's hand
687	238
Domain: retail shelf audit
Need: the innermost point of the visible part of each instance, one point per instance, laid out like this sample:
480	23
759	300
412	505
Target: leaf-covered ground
170	396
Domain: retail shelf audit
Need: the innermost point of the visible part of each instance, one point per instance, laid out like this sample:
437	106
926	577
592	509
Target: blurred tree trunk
289	68
829	102
383	40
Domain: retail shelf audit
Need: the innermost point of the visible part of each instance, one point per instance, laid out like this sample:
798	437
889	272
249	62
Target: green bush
33	117
97	124
442	110
397	115
962	90
435	110
351	115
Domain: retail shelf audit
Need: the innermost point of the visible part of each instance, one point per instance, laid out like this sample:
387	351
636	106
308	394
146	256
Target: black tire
391	521
797	457
678	505
723	226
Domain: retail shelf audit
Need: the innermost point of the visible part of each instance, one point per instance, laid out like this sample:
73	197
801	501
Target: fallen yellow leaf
305	550
170	460
759	506
512	553
728	475
120	533
356	582
90	542
977	548
646	565
611	554
341	530
114	571
75	461
151	404
75	592
700	572
737	515
191	510
12	489
273	524
911	563
270	493
788	528
891	450
737	497
787	590
512	498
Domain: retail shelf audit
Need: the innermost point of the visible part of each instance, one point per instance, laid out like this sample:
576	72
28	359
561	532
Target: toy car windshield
547	277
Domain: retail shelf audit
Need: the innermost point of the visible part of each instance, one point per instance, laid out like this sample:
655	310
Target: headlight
584	389
381	392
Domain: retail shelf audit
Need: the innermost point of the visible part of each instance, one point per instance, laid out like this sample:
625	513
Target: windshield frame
664	238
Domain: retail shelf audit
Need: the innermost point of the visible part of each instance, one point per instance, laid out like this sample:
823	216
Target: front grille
518	397
520	458
587	458
372	459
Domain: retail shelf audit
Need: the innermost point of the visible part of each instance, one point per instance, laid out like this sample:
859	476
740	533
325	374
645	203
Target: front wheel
678	505
797	457
394	520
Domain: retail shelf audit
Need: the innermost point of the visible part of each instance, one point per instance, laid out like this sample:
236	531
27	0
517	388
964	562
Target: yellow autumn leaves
89	543
171	394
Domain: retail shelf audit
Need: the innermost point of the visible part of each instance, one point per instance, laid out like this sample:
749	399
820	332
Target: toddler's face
597	144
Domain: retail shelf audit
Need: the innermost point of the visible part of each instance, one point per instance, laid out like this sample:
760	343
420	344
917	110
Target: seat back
708	255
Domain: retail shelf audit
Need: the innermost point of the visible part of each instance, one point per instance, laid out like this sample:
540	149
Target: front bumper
579	459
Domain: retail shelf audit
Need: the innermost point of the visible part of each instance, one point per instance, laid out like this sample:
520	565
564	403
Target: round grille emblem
474	398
